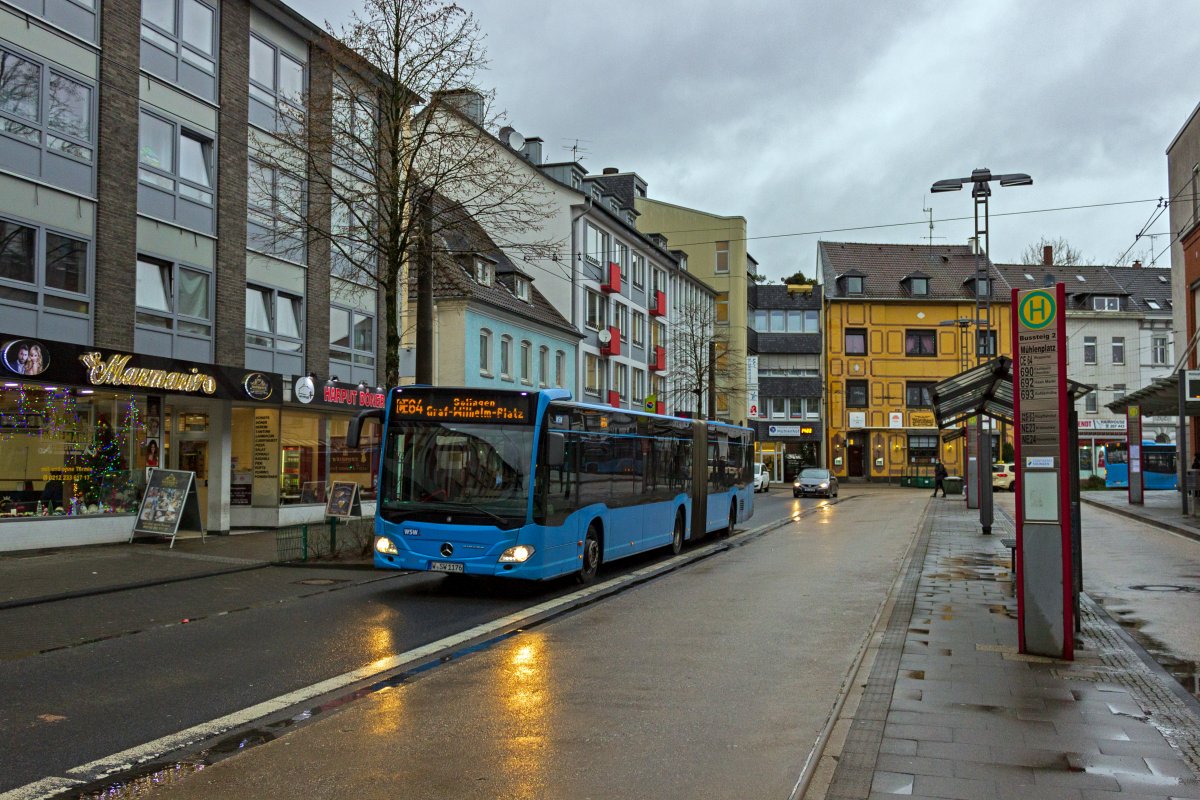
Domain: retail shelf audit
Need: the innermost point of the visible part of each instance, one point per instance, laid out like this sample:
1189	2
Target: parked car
814	480
1004	477
762	479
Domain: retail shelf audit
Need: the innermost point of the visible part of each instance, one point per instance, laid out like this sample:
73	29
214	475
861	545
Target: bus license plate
445	566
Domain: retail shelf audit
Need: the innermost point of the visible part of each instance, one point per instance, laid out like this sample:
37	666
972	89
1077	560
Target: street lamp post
981	190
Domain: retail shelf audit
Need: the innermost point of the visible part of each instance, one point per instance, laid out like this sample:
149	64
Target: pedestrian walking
939	478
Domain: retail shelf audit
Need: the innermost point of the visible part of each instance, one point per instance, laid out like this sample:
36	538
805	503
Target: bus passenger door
699	487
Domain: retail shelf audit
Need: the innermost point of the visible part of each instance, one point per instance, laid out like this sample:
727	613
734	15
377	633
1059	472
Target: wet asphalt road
93	676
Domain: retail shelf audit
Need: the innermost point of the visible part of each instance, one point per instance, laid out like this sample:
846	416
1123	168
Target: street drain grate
322	581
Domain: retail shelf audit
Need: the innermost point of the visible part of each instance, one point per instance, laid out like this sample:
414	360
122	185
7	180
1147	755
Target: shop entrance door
855	458
189	450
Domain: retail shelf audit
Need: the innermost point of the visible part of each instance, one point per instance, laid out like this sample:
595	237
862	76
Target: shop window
276	210
174	310
70	452
274	330
179	39
352	344
921	343
276	86
175	173
922	449
47	122
44	282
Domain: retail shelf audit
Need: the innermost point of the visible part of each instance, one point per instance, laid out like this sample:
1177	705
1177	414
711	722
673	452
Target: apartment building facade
147	262
898	319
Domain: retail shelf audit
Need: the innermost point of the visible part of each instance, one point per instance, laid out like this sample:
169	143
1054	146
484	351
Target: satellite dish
605	336
511	138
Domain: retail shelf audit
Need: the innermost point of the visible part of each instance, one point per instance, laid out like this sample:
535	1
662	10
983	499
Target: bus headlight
516	555
386	546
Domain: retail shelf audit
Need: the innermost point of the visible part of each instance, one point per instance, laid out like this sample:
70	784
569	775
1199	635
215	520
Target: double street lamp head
980	180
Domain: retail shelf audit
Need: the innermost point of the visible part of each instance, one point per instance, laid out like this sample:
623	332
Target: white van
762	480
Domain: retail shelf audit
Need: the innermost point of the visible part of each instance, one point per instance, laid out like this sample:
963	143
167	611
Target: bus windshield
462	467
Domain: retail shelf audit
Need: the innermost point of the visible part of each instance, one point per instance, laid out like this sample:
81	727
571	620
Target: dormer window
854	284
982	287
919	286
1106	304
485	273
522	289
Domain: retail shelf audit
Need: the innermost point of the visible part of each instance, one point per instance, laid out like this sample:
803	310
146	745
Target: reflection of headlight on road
516	555
386	546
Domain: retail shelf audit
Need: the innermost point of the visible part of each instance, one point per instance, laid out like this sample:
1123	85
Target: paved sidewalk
1161	508
951	710
38	576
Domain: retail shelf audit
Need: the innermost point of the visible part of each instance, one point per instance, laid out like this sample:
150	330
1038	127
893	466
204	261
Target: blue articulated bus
532	485
1158	466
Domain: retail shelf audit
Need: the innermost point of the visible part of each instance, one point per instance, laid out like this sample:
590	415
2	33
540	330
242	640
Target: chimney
468	102
1047	255
611	171
973	243
1137	264
532	150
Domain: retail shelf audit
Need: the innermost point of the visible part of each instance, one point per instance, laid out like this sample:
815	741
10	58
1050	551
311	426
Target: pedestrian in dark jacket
939	479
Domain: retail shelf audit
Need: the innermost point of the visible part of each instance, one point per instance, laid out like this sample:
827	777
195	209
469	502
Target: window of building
639	328
523	291
621	256
1118	350
983	287
856	394
759	321
621	319
526	362
1153	305
985	343
1158	350
175	173
639	270
47	125
506	356
485	353
1089	349
812	321
560	368
170	296
919	286
920	343
354	126
274	319
179	44
918	394
75	16
856	341
543	366
854	284
597	317
276	85
660	281
485	272
721	306
1106	304
1118	391
639	385
597	245
922	449
43	272
621	380
722	257
276	211
1091	403
591	374
351	338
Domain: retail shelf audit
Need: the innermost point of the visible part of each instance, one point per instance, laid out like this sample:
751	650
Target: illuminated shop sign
115	371
358	398
490	407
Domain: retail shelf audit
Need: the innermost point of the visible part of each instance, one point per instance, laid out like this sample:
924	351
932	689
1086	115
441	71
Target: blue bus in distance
533	485
1158	466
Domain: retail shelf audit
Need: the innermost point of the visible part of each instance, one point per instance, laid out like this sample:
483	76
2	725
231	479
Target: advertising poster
169	503
343	500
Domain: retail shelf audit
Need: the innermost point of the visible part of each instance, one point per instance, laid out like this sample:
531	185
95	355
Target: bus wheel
591	557
677	537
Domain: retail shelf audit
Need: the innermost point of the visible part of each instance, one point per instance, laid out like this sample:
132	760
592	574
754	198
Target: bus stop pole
1181	436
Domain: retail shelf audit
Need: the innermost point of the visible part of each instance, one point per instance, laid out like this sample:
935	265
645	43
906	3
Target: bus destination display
464	408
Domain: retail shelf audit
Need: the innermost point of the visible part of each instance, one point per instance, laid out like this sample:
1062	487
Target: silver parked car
814	480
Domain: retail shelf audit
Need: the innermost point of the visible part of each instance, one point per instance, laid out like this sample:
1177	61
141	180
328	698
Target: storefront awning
985	390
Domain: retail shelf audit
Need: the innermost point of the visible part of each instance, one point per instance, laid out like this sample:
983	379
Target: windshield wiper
473	508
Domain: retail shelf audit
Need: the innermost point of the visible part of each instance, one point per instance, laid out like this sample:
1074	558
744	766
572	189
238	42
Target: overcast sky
810	117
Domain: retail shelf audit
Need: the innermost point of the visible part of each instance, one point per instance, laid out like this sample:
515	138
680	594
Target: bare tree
393	146
701	360
1063	255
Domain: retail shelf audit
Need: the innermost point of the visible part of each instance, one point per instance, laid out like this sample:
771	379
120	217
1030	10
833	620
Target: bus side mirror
556	449
354	429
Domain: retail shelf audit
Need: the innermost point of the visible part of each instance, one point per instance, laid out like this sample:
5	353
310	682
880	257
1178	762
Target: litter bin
953	484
